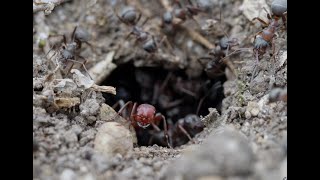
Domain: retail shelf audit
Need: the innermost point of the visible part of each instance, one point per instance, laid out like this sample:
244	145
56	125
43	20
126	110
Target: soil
243	114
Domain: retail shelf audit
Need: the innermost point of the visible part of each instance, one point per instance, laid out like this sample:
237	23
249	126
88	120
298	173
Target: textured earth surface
77	135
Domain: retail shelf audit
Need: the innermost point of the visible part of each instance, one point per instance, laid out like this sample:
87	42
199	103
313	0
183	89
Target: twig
106	89
46	5
199	38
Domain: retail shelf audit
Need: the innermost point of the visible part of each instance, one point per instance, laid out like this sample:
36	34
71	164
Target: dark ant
168	25
69	51
215	63
263	39
180	133
144	116
278	94
171	19
189	11
129	17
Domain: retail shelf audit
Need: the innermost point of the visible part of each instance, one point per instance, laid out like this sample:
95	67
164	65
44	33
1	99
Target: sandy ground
246	140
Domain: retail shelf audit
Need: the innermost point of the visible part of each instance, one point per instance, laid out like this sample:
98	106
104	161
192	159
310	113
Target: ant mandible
145	115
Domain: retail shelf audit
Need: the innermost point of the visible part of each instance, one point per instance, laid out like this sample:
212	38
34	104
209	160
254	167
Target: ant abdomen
82	35
260	43
150	46
129	15
278	7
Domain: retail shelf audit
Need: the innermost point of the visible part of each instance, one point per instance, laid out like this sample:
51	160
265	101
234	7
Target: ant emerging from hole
179	133
69	51
143	116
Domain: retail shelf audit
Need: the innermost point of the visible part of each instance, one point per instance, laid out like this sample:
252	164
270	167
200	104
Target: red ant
263	39
144	115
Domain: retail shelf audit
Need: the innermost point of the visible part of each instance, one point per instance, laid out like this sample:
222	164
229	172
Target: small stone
157	165
247	115
253	108
113	138
68	174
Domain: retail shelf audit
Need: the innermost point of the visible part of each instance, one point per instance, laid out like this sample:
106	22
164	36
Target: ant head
146	110
167	17
150	46
193	122
226	43
181	14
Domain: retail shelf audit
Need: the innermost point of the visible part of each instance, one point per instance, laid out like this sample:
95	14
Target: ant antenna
73	34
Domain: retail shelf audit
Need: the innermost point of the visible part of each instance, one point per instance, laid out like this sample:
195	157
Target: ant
130	17
69	51
181	132
278	94
144	115
215	63
171	19
189	11
263	39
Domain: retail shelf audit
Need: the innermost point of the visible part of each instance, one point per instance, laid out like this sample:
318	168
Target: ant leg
165	82
284	20
139	17
129	103
133	111
178	3
118	103
200	104
268	14
256	65
189	1
64	39
83	64
191	17
155	127
173	103
159	116
185	133
161	42
204	60
150	141
116	13
48	52
169	45
260	20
